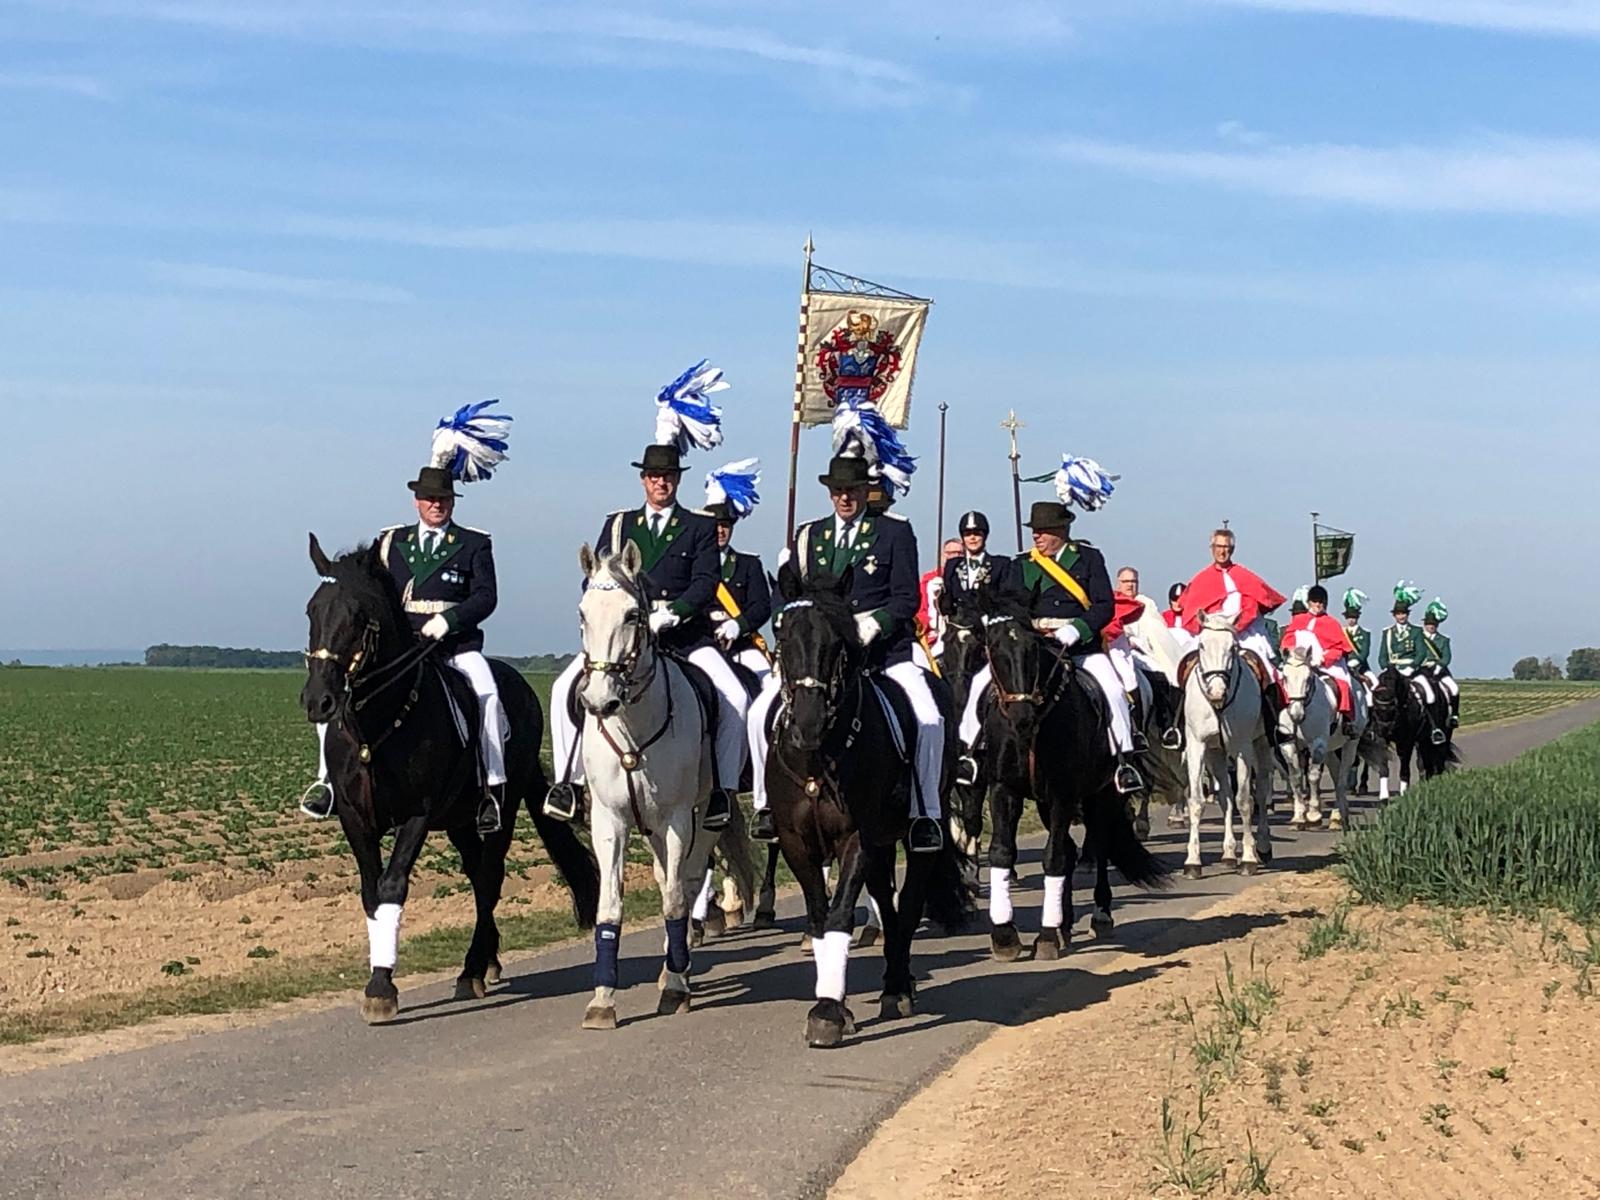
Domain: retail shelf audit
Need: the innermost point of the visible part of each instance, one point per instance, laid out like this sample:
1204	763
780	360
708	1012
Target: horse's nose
322	706
610	708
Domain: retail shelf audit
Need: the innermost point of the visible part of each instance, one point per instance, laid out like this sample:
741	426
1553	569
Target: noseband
376	681
622	669
1002	698
1231	673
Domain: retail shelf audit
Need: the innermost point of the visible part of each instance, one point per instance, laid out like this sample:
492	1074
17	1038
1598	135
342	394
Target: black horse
962	658
397	762
840	792
1045	736
1409	722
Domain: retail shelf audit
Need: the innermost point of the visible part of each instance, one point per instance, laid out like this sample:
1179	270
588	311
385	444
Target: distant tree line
166	655
1582	664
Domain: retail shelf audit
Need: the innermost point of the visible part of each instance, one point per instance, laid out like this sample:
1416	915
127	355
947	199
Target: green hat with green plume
1405	595
1436	611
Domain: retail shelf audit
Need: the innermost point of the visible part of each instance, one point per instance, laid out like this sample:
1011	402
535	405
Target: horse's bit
380	679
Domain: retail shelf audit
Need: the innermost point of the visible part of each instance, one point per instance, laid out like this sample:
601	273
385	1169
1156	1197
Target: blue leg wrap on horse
606	939
677	944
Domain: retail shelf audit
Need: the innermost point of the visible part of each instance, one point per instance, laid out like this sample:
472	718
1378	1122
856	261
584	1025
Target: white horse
1223	724
1312	716
646	750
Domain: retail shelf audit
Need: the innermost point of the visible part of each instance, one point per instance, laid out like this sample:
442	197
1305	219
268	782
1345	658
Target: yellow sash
1059	573
731	607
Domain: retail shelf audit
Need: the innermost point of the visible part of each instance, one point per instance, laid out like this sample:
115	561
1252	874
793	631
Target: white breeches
1105	674
912	680
732	704
1420	678
1449	684
1121	655
755	662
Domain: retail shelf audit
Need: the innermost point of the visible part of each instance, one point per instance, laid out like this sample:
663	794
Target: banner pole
1011	425
1316	565
939	519
799	394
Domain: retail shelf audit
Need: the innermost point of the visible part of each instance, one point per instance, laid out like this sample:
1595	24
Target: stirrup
561	801
1140	743
1128	780
1172	739
719	811
1439	737
763	828
489	810
924	836
317	800
966	771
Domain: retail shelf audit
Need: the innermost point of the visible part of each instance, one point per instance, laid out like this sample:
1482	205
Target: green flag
1333	553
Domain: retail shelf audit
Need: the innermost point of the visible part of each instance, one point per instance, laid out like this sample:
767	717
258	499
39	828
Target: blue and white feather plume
684	417
1084	482
735	486
860	431
471	443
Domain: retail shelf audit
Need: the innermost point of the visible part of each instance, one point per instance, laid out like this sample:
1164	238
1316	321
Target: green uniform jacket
1361	639
1402	647
1436	649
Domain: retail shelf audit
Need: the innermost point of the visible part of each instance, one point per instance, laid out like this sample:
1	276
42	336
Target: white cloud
1242	134
1556	18
1492	175
47	81
211	278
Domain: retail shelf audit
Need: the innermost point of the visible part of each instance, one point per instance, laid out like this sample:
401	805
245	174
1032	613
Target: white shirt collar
424	529
650	513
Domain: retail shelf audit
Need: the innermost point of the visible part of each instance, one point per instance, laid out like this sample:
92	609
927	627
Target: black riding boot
764	829
719	810
924	836
563	801
489	808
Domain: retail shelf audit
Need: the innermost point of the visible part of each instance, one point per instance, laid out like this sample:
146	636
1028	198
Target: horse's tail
1373	751
573	860
739	856
1114	837
946	902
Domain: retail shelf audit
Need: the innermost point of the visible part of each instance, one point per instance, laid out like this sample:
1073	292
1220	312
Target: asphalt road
507	1097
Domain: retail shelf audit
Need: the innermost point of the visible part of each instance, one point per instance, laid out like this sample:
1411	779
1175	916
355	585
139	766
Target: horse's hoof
376	1010
1264	853
1297	825
1101	922
893	1007
494	973
731	919
715	924
868	937
470	989
1004	944
805	944
600	1016
765	918
1141	829
822	1034
1191	870
672	1002
1049	945
697	934
1230	860
1249	868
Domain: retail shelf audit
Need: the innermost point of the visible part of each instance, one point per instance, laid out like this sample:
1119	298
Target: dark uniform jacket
1436	651
885	577
1053	606
991	571
1361	639
746	581
680	568
457	580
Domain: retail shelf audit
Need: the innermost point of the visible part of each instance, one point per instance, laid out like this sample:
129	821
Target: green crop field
1484	700
112	770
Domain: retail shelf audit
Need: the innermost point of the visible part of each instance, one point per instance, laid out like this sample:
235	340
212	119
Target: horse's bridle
622	669
832	692
375	682
1002	698
1231	673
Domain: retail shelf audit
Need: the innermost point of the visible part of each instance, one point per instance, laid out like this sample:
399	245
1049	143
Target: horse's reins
379	680
1004	699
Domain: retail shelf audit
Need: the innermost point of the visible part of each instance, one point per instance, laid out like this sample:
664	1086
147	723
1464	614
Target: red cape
1124	612
923	615
1207	592
1326	629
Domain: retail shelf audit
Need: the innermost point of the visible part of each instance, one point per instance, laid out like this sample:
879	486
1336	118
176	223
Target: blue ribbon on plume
1084	482
735	486
471	443
684	417
860	431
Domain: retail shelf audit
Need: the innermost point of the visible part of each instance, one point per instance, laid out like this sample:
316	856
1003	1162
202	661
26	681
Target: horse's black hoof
470	989
493	973
893	1007
697	934
1049	945
827	1024
1004	944
377	1010
1264	853
600	1016
716	922
1141	829
765	918
868	937
1191	871
1101	922
672	1002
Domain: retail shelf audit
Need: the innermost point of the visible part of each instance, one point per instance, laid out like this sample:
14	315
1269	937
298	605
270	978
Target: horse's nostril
610	707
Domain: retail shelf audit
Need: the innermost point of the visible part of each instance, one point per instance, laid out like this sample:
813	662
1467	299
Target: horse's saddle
1189	661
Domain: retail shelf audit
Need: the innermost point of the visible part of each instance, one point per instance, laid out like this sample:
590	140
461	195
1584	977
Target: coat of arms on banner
858	360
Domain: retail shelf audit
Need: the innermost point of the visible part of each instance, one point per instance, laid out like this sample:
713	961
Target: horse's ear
587	560
632	559
789	582
319	560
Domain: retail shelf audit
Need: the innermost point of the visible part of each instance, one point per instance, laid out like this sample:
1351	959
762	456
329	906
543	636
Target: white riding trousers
731	699
755	662
1099	666
912	681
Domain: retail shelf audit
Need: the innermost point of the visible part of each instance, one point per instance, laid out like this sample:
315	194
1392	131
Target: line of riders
710	602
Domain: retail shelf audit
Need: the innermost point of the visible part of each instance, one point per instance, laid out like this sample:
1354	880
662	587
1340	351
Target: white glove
1068	635
664	618
784	556
727	632
435	627
867	628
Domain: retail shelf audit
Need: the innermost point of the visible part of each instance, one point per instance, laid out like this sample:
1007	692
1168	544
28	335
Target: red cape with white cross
1208	592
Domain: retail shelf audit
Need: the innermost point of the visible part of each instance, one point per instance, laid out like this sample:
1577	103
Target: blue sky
1258	256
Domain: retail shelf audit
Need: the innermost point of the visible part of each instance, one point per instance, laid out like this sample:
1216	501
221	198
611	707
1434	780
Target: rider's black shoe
1128	779
562	801
1140	742
1454	720
489	809
1172	739
924	836
317	800
719	810
966	770
764	828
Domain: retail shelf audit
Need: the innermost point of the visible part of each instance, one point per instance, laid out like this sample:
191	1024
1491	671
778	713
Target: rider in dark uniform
744	582
976	569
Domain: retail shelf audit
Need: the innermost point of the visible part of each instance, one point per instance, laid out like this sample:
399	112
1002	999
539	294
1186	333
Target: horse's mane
360	571
611	566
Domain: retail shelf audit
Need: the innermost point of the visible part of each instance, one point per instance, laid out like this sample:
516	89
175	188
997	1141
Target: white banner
863	348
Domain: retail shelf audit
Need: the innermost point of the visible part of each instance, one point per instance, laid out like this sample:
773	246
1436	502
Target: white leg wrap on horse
1099	666
1055	894
971	725
322	751
735	707
563	733
913	681
1383	788
383	936
702	902
491	716
1000	912
757	723
832	954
